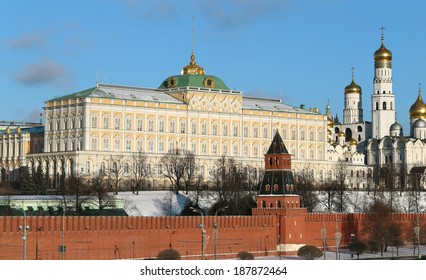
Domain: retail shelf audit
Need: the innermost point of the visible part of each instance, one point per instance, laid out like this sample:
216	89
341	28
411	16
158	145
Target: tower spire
192	43
353	76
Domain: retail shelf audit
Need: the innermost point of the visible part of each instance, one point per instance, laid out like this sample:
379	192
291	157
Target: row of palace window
72	123
214	129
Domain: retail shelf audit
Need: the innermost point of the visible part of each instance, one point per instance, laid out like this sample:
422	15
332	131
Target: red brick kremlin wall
144	237
136	237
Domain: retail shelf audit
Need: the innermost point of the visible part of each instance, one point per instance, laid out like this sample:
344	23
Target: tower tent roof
277	145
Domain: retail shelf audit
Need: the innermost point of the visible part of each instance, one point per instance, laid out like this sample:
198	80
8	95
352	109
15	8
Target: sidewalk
405	252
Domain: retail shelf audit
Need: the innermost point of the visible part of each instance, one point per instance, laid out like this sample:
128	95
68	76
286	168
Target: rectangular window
128	145
235	130
117	123
225	149
265	132
284	136
194	128
214	149
302	135
225	130
311	135
150	146
161	126
182	127
171	146
161	147
311	154
116	145
293	134
129	124
182	146
194	148
203	149
139	124
235	150
66	124
94	144
106	144
203	128
139	146
106	122
255	132
255	151
245	131
94	122
172	127
214	129
150	125
245	150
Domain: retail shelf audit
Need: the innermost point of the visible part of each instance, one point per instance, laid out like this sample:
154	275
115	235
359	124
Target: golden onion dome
382	54
418	109
352	142
341	134
192	67
353	88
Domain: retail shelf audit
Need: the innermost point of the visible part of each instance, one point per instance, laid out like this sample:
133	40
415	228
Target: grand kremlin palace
87	130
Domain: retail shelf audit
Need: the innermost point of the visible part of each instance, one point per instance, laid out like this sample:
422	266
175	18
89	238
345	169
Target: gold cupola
418	109
192	68
353	87
383	54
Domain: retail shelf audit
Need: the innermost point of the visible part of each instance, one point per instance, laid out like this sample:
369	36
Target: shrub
168	254
309	252
243	255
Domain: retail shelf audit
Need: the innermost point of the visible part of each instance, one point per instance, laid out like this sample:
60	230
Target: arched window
336	130
384	105
270	161
278	204
391	106
348	134
359	128
263	204
377	105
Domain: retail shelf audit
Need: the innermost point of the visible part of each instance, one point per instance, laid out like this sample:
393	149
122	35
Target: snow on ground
160	203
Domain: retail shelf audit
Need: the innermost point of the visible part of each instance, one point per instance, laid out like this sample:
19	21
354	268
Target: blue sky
299	51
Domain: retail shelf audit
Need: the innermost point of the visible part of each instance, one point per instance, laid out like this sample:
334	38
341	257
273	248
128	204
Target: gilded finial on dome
418	109
352	142
353	87
383	54
192	67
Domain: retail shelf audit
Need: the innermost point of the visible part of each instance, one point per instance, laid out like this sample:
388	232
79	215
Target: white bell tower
383	99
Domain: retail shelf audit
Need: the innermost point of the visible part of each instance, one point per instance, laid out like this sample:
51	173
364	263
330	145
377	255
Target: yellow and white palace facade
85	131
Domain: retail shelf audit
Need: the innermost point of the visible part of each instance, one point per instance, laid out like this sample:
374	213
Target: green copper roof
80	94
193	80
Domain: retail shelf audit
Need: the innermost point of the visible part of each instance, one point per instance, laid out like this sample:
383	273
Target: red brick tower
278	196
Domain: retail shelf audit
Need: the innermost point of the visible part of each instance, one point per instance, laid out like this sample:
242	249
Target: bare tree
140	171
75	194
308	192
230	188
175	166
341	187
328	193
378	226
116	172
100	192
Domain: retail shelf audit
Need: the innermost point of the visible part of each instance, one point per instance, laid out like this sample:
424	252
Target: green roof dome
193	75
193	80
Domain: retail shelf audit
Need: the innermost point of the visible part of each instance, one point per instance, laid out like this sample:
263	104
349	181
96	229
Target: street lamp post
24	233
201	226
216	229
338	237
